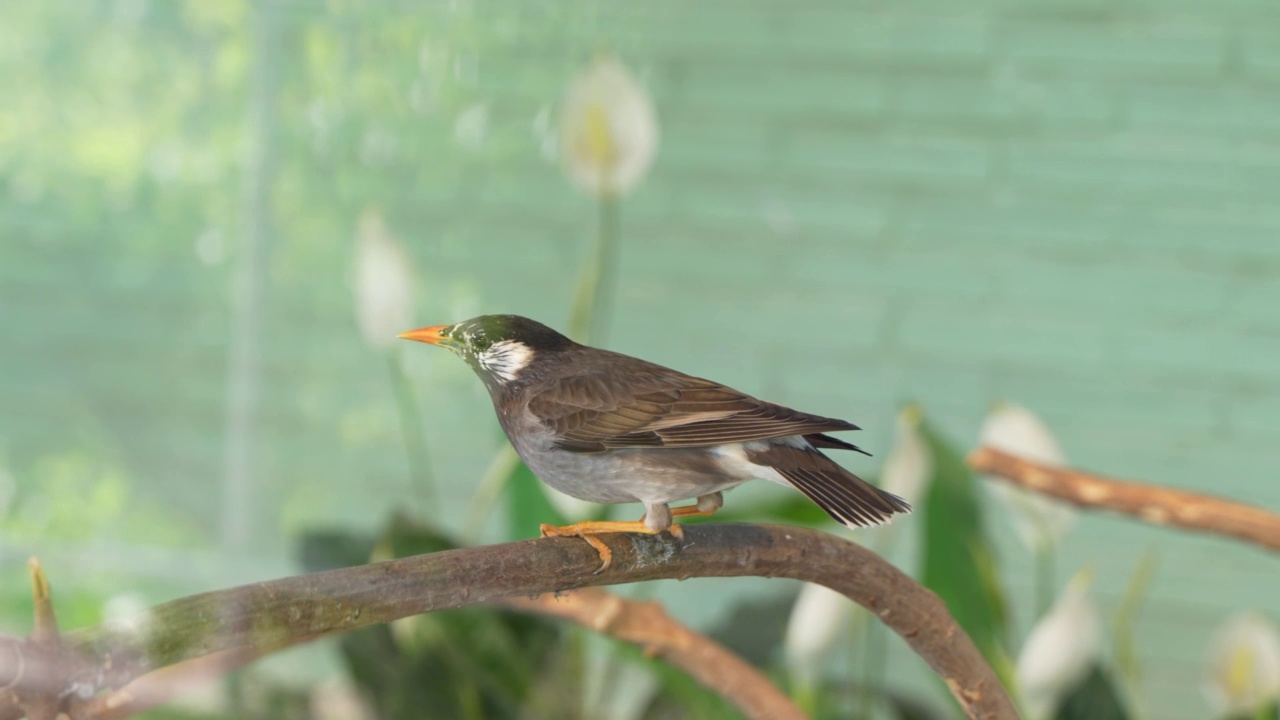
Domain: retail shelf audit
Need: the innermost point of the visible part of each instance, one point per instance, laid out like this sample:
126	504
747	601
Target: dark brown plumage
607	427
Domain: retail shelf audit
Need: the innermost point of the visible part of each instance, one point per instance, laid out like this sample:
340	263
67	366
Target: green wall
1070	205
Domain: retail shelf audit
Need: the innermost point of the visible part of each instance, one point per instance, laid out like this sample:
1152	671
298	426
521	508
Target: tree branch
160	686
271	615
642	623
646	624
1152	503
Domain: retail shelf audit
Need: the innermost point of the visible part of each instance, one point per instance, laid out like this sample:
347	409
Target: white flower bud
383	282
1039	521
608	129
1060	650
1244	664
817	620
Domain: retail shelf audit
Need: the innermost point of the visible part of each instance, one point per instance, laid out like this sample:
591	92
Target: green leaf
330	549
1271	712
841	699
906	707
959	564
527	505
794	510
754	628
1095	698
1129	668
336	548
405	536
680	696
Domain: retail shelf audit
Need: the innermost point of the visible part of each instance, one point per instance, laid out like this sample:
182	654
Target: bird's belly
649	475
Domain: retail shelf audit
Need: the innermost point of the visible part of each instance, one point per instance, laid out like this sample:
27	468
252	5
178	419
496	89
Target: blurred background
1055	220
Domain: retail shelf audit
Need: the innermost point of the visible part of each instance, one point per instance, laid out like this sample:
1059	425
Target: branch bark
1152	503
646	624
272	615
643	623
158	687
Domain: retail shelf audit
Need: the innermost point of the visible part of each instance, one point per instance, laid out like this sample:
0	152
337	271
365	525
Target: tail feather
820	440
843	495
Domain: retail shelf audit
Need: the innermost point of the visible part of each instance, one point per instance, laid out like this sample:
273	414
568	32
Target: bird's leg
706	505
657	518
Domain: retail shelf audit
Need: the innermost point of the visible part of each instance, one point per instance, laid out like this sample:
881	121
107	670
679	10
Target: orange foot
692	511
588	530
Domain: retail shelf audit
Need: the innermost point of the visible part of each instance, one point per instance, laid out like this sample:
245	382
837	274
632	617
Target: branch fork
239	624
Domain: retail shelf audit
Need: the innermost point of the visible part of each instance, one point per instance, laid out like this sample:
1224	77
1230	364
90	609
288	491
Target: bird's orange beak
430	335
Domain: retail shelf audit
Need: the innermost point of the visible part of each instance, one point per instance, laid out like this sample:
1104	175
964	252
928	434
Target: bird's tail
843	495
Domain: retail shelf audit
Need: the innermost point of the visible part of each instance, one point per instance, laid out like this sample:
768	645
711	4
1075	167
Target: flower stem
874	666
588	320
1128	664
415	438
593	297
1045	572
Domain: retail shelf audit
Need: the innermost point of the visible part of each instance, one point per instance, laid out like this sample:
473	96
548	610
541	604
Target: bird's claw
606	555
589	530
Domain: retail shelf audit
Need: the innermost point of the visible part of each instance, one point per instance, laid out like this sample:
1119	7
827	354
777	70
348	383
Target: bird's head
498	347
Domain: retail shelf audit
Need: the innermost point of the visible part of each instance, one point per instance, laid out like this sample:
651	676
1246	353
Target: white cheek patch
506	359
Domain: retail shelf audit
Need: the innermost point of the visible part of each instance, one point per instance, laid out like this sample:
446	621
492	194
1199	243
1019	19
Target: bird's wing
662	408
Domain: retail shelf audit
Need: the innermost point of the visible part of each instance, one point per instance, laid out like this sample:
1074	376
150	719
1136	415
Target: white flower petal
1038	520
1060	649
383	283
608	129
1244	664
817	620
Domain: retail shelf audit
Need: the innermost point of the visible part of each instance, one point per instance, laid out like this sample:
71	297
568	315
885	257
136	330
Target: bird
606	427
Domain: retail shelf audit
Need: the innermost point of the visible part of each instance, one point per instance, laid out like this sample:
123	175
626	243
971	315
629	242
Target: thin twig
646	624
268	616
1155	504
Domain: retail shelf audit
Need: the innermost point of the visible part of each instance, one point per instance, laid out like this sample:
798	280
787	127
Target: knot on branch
42	675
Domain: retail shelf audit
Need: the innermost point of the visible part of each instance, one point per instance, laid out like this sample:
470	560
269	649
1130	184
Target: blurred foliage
959	562
1272	712
468	663
121	176
482	662
1095	698
76	496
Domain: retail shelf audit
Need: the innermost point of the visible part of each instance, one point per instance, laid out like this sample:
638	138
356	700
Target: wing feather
658	407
